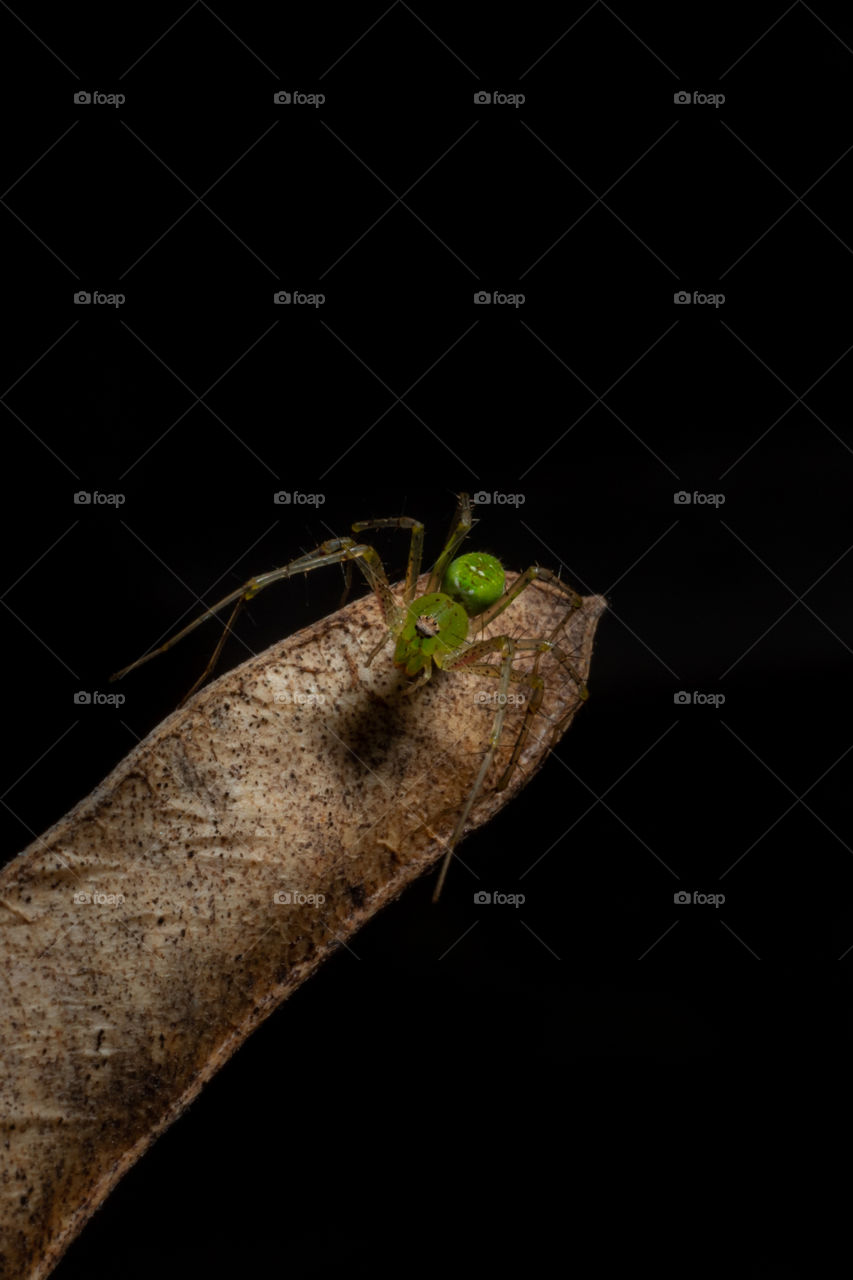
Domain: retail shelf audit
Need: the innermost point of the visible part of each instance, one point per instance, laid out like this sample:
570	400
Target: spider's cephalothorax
433	625
436	625
433	630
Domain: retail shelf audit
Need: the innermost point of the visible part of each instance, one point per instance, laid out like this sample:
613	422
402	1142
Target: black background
598	199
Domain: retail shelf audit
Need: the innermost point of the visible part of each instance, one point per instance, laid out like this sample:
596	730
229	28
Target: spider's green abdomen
475	581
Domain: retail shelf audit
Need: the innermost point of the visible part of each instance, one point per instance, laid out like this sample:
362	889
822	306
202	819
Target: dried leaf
154	927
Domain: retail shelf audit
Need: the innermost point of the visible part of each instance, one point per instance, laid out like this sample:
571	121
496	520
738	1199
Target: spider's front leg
333	551
416	547
536	573
413	567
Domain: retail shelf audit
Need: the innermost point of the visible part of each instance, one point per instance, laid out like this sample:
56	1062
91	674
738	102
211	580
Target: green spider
433	631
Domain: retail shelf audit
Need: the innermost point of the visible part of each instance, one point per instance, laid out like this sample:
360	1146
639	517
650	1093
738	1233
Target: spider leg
468	659
334	551
507	647
459	530
416	547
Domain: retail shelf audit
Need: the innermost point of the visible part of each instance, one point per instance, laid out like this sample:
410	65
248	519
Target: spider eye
427	627
475	581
